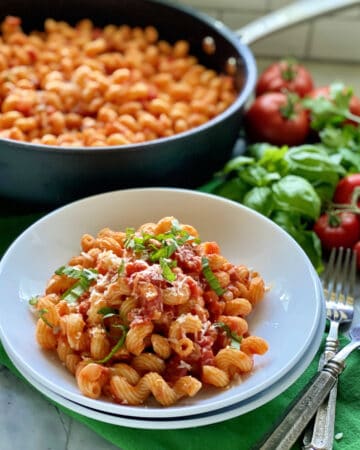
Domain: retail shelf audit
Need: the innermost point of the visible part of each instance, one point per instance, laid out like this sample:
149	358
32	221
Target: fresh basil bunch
288	185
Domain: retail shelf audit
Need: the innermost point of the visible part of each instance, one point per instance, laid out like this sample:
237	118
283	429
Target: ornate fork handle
303	408
321	436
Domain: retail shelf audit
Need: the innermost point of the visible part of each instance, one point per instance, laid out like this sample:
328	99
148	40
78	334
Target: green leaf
164	252
121	268
332	111
237	163
212	185
259	199
167	273
235	338
116	347
106	310
257	175
325	191
307	239
346	136
273	160
210	277
33	300
41	314
233	189
296	194
313	163
76	291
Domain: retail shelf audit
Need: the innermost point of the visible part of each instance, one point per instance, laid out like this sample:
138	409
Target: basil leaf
314	164
210	277
164	252
106	310
167	273
325	191
350	159
233	189
237	163
273	160
259	199
212	185
74	272
235	338
118	345
33	300
294	193
257	175
41	313
76	291
121	268
307	239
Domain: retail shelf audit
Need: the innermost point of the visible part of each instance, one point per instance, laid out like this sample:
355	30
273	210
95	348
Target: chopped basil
41	313
116	347
235	338
76	291
163	252
74	272
106	311
121	268
167	273
33	300
210	277
84	277
160	247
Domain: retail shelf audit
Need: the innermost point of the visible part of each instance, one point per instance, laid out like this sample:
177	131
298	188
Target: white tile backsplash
333	37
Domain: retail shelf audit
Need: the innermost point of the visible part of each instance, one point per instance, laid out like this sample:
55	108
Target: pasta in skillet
150	312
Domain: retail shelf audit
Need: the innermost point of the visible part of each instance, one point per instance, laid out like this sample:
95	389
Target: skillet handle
289	15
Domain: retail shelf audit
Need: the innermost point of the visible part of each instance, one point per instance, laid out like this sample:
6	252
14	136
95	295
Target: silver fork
339	286
286	432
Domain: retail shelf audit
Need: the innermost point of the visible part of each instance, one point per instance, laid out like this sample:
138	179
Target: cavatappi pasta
82	85
150	312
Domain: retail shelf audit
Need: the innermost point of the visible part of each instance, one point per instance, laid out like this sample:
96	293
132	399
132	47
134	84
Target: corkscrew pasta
151	312
82	85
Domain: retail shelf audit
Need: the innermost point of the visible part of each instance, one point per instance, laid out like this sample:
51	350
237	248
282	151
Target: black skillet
56	175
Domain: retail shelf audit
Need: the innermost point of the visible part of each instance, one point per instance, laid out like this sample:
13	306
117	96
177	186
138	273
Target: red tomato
340	230
275	118
285	75
324	91
345	188
356	249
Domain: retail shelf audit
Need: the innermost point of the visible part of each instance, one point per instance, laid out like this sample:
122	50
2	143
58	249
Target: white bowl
197	420
288	318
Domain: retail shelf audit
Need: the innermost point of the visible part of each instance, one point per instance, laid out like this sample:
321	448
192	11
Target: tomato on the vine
286	75
345	188
277	118
338	229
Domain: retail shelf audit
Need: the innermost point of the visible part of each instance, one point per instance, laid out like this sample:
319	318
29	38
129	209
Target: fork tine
342	267
339	275
328	276
332	274
352	278
329	269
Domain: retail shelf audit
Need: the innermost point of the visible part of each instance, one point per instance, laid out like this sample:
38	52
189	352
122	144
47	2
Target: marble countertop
28	421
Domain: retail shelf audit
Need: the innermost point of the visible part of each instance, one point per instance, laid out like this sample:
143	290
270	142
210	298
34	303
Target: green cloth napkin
240	433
